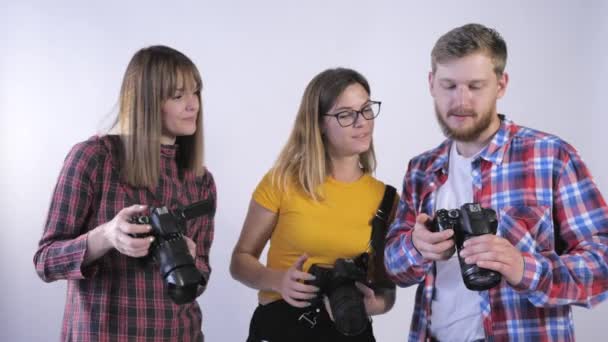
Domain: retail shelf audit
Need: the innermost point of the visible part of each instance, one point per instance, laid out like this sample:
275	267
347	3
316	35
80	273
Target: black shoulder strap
380	220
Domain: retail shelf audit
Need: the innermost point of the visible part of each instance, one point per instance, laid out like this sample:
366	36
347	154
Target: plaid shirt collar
493	153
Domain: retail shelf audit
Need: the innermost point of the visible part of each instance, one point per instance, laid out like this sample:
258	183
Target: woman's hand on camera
191	246
292	288
373	305
118	233
432	245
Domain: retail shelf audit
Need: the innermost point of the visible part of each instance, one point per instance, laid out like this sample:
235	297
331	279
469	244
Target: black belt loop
309	318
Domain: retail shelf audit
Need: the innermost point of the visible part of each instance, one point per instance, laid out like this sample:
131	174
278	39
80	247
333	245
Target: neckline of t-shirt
457	156
364	177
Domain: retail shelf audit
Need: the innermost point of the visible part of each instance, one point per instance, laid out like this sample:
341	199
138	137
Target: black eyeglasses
348	117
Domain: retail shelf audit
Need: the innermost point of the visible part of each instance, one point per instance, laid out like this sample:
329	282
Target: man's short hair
468	39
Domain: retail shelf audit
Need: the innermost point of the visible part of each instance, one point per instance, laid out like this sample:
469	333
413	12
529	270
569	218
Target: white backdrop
61	66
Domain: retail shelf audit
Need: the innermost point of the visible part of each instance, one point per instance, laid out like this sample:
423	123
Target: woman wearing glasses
314	206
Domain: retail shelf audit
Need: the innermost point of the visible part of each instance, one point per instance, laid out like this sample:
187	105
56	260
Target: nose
192	103
360	121
463	96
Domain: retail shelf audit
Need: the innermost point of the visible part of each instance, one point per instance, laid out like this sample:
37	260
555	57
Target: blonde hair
304	160
152	76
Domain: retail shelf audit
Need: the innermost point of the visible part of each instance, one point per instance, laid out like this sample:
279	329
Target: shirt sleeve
63	245
404	263
267	195
579	276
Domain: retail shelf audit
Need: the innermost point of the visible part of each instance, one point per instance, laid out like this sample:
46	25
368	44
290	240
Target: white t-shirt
456	313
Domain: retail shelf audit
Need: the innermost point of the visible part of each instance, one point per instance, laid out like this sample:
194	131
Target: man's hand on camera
432	245
495	253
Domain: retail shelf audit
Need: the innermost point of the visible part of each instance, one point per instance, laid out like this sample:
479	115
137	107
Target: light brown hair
468	39
153	76
304	159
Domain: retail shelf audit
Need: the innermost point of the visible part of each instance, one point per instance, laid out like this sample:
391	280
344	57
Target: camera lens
476	221
479	279
349	310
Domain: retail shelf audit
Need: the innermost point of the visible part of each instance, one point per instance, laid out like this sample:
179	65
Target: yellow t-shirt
339	226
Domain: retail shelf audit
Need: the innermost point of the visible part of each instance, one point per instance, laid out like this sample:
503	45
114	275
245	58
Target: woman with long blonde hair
314	207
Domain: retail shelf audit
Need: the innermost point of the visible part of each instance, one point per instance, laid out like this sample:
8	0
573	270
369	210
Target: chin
188	131
361	149
460	130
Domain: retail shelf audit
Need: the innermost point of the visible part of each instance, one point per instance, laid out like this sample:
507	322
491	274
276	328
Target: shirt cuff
80	270
414	257
531	277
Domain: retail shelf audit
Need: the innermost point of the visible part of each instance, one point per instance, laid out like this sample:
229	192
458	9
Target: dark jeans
281	322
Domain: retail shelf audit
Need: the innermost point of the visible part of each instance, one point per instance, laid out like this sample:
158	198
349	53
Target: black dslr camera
471	220
345	300
170	249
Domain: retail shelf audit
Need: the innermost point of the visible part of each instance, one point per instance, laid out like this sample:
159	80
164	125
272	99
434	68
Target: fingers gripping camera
469	221
170	250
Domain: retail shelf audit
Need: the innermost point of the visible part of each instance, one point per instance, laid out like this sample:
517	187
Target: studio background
61	65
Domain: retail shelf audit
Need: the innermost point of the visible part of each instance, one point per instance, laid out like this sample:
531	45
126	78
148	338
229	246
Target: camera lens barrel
171	252
348	309
345	299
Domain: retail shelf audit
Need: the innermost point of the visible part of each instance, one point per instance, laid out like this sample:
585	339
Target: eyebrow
349	108
477	80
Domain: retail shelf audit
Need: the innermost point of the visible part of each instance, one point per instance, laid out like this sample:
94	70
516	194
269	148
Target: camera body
170	251
469	221
345	299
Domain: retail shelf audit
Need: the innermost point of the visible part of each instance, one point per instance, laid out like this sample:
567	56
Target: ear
431	79
503	81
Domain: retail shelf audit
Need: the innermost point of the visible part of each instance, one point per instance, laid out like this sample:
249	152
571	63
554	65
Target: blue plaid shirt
538	185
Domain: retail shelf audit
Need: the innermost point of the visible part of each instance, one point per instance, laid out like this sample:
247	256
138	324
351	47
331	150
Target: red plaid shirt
118	298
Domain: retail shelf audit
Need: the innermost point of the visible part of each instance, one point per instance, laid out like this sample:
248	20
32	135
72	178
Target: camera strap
380	220
197	209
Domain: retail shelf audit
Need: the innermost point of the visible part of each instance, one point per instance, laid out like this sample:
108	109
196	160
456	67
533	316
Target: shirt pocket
529	228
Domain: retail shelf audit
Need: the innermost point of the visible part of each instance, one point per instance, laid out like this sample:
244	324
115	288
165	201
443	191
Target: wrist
97	245
101	239
276	278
